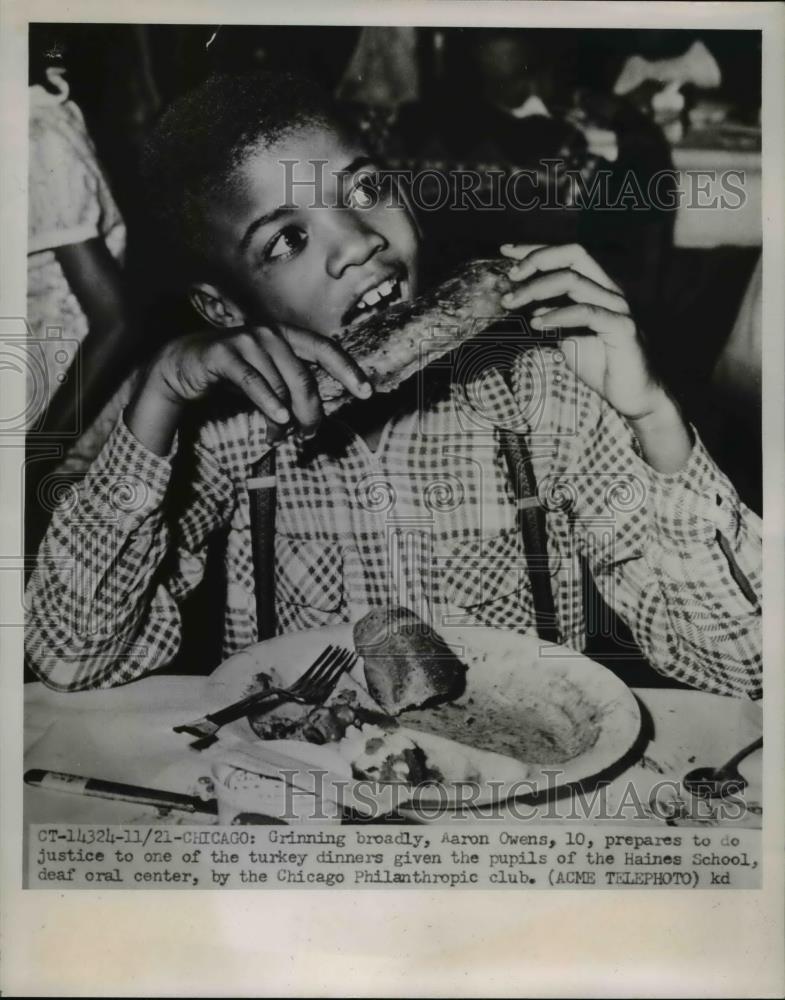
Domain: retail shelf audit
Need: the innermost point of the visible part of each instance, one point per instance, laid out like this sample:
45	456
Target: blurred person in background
77	305
512	100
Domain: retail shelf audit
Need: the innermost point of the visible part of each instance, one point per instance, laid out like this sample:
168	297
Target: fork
313	688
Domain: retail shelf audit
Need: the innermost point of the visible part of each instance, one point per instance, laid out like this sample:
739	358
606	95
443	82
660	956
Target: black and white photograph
392	465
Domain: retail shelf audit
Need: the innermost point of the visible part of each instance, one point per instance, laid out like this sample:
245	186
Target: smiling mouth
377	299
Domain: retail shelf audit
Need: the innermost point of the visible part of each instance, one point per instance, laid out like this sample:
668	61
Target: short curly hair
205	135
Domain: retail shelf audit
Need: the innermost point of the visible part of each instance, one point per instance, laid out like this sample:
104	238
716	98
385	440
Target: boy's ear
214	307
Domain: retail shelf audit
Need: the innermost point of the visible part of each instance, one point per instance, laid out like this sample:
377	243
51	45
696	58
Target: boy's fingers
244	376
306	405
565	282
333	359
273	433
595	318
570	255
259	357
517	251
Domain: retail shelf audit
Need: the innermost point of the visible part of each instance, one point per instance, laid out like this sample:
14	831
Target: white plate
516	684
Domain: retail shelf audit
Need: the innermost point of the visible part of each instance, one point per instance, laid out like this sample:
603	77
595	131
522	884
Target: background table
701	226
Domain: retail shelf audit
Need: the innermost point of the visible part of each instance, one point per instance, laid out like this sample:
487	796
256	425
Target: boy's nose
352	242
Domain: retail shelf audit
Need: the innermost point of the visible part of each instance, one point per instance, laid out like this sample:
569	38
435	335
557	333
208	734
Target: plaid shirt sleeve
102	601
678	556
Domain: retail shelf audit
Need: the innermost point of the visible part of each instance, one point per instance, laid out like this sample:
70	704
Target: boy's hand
609	354
269	366
613	361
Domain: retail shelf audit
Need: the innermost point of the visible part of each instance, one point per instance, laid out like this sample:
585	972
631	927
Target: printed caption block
194	857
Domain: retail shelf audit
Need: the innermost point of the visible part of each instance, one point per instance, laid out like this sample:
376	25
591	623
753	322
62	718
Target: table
125	734
702	223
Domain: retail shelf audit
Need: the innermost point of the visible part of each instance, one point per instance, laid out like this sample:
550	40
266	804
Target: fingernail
507	300
365	389
536	321
281	415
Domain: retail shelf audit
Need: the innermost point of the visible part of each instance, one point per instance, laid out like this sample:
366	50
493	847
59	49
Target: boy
417	510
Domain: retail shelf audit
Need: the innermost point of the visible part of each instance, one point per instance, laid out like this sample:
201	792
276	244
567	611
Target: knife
76	784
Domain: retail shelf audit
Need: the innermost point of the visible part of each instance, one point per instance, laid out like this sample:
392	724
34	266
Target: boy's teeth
375	295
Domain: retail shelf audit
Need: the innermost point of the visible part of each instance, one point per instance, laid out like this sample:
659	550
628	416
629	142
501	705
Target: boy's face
310	245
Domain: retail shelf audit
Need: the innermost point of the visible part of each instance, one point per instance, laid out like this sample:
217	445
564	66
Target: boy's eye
285	243
365	191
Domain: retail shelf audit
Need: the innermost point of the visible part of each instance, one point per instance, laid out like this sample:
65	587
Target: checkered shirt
428	521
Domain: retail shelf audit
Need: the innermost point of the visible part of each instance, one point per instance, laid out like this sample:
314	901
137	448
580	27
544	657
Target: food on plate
402	756
389	757
397	342
417	719
540	712
328	723
416	722
290	720
554	722
407	665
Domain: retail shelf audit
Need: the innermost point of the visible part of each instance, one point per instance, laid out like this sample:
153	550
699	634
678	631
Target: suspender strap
261	498
531	524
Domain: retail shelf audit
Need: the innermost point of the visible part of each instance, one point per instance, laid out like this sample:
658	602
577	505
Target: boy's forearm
664	437
153	416
97	627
